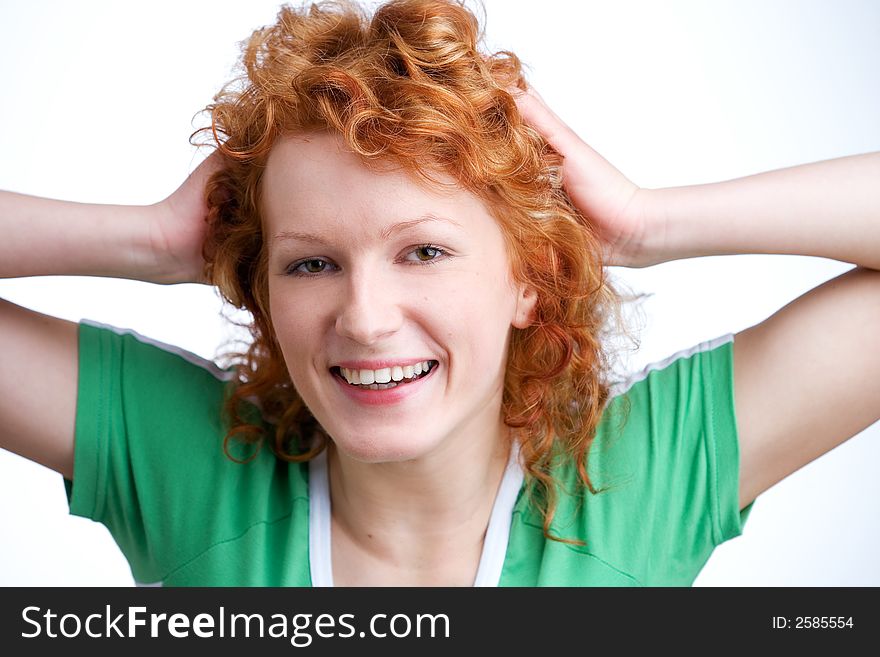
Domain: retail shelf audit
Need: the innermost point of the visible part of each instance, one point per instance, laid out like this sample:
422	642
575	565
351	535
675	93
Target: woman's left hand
602	194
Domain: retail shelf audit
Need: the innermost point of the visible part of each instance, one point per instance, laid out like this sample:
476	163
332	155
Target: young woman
378	205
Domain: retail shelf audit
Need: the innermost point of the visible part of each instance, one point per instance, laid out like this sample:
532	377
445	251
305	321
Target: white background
97	105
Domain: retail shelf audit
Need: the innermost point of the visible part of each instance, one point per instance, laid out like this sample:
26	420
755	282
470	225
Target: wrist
173	247
649	244
669	232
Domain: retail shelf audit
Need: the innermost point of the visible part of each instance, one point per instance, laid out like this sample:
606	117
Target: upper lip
379	364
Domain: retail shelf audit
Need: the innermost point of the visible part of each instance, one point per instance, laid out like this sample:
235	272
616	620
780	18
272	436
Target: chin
382	450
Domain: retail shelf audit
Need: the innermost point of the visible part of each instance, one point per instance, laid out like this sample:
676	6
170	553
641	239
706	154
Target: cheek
477	321
295	332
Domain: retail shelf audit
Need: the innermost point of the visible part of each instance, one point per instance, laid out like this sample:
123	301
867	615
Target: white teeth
385	375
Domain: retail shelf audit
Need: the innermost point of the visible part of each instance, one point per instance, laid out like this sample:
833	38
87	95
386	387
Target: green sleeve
673	463
148	445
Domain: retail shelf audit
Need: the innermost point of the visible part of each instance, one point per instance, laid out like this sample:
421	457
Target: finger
539	116
515	91
209	165
198	179
534	92
535	110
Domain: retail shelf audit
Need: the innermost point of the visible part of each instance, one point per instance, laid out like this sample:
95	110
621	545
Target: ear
527	299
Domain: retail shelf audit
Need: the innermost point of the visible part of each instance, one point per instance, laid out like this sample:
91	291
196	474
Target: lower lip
387	396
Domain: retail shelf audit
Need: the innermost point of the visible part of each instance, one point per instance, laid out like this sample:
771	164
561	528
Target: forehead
314	180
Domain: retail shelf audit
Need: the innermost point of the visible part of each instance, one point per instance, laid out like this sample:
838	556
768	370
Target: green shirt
149	465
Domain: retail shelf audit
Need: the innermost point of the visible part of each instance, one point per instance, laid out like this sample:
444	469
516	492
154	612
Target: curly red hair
409	85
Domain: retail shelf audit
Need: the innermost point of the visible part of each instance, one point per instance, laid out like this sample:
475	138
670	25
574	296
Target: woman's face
369	271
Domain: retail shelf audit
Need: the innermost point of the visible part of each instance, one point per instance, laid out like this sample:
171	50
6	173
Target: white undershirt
494	545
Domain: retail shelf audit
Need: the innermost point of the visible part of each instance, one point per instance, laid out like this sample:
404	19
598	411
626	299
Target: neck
417	512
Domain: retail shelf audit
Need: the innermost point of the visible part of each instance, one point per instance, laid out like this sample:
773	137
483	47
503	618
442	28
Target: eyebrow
387	233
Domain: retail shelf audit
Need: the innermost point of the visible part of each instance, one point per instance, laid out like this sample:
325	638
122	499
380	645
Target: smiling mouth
382	386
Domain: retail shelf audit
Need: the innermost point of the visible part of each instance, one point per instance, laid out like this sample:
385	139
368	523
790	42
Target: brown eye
308	267
427	253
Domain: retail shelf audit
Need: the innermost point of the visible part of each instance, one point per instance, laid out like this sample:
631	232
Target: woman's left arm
807	378
829	209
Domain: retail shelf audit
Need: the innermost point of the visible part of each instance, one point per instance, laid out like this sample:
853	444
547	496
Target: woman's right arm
160	243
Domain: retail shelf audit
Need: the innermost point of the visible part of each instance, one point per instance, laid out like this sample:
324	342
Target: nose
369	309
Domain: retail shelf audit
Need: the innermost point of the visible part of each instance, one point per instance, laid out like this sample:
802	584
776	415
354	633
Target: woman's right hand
180	228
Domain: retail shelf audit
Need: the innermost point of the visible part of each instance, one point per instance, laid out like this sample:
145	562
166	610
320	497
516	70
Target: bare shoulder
807	378
38	386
